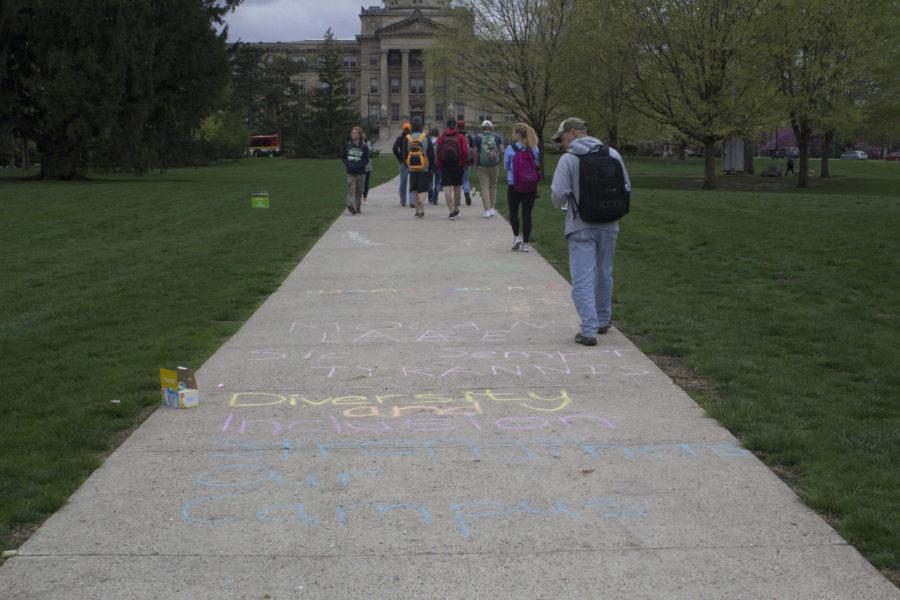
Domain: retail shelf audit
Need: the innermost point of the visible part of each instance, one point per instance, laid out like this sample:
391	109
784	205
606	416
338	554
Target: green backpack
489	156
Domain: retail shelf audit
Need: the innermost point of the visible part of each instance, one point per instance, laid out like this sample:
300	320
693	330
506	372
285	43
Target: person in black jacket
404	172
355	156
418	158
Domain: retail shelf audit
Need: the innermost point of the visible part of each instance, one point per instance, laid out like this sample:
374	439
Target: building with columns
386	68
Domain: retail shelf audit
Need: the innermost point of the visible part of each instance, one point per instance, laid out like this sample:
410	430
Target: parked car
855	155
892	156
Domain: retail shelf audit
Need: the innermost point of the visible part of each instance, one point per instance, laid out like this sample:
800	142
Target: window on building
395	112
352	87
395	85
373	85
439	113
416	86
394	58
373	59
349	60
374	112
415	58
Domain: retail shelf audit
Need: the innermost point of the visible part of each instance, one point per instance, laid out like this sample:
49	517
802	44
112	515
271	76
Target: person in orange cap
404	171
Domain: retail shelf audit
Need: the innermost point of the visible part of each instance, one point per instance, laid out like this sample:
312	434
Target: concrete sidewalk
408	417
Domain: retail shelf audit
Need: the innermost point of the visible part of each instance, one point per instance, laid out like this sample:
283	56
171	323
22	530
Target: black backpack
601	183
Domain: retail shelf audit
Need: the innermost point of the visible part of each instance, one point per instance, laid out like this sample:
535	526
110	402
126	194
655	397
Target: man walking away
404	172
452	155
592	184
488	150
355	156
418	156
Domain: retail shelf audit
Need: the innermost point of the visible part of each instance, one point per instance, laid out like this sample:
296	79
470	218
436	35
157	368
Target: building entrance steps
408	416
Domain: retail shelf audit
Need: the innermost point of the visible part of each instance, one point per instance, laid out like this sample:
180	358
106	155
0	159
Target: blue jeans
466	186
404	182
591	253
435	185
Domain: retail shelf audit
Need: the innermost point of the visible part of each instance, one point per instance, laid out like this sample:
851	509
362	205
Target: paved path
408	417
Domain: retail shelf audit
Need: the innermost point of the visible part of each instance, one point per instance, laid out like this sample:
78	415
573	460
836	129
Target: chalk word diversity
396	332
465	403
231	508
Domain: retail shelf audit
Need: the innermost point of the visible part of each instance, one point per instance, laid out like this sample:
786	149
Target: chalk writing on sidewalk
233	507
452	290
517	450
463	403
238	425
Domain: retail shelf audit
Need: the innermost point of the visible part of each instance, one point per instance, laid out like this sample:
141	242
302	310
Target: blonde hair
526	133
362	134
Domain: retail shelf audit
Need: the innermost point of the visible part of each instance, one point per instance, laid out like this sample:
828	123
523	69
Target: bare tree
508	54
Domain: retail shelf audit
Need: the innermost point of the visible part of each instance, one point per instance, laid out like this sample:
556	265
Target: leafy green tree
264	90
823	64
691	63
332	113
110	83
223	135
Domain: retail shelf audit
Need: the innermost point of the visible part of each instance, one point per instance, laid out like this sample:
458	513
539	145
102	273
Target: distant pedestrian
470	143
521	161
790	166
452	156
591	183
368	144
488	150
418	156
354	157
435	187
404	172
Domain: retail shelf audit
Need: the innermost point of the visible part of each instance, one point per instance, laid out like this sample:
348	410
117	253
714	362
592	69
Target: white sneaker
525	248
493	212
487	214
517	243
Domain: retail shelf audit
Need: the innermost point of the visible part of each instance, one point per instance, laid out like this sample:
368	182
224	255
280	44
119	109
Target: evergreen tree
109	83
332	113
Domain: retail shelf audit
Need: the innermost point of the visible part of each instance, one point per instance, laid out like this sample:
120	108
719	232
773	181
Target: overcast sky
293	20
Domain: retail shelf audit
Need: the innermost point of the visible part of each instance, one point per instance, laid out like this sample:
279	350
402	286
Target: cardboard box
179	388
259	200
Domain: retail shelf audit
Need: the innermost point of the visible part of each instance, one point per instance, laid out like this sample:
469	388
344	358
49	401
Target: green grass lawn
776	308
779	311
104	281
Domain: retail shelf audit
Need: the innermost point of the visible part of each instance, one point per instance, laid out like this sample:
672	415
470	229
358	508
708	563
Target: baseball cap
460	124
487	124
568	125
406	125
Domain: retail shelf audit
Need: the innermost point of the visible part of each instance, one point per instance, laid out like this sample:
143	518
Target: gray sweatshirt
565	183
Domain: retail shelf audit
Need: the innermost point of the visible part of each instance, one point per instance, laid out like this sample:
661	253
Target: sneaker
468	199
604	329
487	214
525	248
585	340
493	213
351	210
452	216
420	214
365	199
517	243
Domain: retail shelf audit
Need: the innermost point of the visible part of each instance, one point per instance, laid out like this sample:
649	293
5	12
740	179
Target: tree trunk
749	151
682	151
803	144
612	136
709	174
26	159
826	153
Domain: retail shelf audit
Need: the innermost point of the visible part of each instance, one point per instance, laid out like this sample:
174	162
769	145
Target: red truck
265	145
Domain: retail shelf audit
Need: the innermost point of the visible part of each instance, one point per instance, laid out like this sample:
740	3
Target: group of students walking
590	183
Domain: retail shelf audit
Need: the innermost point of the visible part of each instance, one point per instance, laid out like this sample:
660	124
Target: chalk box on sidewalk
259	200
179	388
